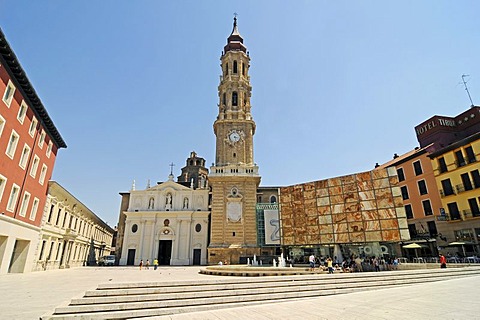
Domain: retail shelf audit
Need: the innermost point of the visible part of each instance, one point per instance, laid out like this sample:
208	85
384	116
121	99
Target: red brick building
29	142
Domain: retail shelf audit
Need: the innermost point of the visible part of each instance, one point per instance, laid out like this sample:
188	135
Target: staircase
150	299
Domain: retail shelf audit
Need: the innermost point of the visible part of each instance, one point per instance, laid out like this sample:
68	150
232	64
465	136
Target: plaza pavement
30	295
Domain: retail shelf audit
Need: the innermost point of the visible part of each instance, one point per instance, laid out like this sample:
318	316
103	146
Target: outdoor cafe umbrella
413	246
459	243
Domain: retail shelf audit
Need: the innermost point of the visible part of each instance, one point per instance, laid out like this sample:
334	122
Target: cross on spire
171	167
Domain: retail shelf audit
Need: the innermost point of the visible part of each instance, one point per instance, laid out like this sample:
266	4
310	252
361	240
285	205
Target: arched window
224	98
235	66
234	99
243	68
273	199
226	69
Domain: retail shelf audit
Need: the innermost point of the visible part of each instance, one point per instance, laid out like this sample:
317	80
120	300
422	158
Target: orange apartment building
29	142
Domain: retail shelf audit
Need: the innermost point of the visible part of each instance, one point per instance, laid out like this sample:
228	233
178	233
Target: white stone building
168	222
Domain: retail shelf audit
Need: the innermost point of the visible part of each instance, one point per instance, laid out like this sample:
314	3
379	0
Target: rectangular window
427	207
409	211
474	207
453	211
58	216
64	219
447	187
50	214
476	178
40	256
33	212
24	205
404	192
417	166
413	230
422	187
12	144
3	182
9	92
401	175
49	149
41	141
24	156
43	173
12	200
432	229
2	125
460	159
34	168
22	112
467	184
470	154
442	165
33	126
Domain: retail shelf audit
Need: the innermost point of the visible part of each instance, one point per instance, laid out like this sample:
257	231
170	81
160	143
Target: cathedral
223	215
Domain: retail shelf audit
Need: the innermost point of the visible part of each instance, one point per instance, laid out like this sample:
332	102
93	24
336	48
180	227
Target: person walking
443	261
147	264
141	264
330	265
155	264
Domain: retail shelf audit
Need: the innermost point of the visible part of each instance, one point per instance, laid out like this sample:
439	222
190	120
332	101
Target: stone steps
136	300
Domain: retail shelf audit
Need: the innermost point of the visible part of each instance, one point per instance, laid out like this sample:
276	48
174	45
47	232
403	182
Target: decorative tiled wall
358	208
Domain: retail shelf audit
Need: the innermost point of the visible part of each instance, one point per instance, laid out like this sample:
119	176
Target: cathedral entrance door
131	257
197	254
164	252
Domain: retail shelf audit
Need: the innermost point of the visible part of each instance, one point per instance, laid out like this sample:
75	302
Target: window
2	125
50	213
422	187
40	256
3	182
9	92
24	205
243	68
49	149
22	112
417	166
34	168
412	230
460	159
453	210
447	187
442	165
432	228
224	98
401	175
24	156
474	207
273	199
235	66
12	144
42	139
13	198
33	212
404	192
427	207
234	98
226	69
409	211
33	126
470	154
467	184
43	173
59	213
475	178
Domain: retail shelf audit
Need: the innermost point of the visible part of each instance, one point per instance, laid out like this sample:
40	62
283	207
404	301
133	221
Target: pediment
168	185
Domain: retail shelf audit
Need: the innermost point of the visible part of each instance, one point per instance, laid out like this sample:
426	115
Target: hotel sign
434	123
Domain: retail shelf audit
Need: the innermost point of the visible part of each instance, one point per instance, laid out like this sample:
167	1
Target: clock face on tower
234	136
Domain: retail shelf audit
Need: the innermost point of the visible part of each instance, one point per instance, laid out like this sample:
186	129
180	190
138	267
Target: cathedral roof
235	40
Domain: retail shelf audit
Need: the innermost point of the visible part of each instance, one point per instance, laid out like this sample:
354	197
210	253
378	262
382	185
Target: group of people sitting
352	264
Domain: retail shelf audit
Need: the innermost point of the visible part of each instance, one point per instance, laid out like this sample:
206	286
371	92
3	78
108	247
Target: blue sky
337	85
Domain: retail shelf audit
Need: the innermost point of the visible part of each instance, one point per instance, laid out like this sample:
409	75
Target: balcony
468	214
446	193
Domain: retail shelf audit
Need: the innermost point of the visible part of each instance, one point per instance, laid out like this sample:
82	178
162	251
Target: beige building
71	234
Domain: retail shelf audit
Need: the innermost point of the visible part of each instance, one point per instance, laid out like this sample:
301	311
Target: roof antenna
466	88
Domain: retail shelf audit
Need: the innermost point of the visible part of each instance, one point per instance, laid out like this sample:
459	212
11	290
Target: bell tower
234	176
